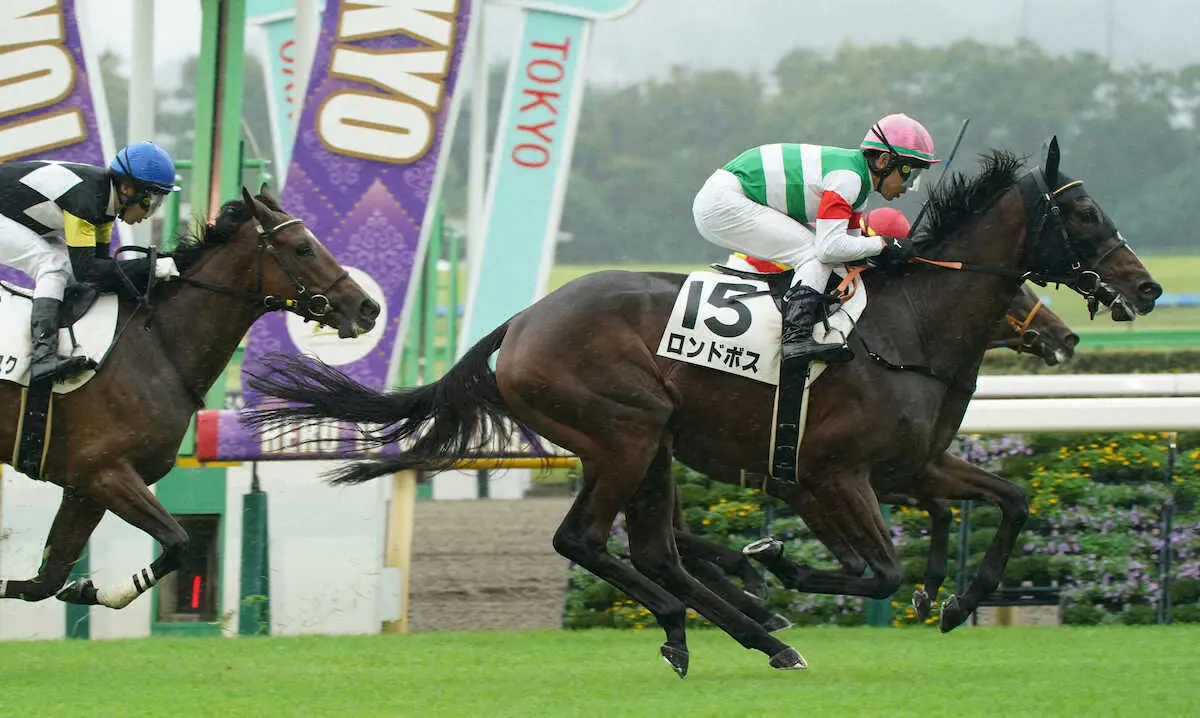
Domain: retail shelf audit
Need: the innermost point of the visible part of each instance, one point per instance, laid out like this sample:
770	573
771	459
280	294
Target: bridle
1026	337
316	304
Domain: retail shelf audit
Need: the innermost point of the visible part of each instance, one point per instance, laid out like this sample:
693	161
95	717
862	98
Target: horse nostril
1150	290
1071	340
369	309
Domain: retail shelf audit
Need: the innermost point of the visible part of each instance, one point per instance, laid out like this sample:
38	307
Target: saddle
87	322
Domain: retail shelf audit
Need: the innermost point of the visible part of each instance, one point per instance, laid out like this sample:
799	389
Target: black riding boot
47	364
803	307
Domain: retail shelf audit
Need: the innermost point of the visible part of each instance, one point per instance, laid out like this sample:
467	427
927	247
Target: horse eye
1090	215
304	249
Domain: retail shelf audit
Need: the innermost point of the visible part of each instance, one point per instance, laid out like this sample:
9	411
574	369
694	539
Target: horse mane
962	198
194	241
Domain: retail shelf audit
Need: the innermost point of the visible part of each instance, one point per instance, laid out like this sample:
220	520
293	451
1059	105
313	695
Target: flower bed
1095	534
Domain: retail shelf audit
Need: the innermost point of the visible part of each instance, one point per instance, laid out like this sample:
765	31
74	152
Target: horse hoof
764	548
921	604
953	614
776	623
789	659
676	658
80	592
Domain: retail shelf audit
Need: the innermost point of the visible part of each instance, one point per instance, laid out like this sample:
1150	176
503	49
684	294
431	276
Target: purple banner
365	166
51	108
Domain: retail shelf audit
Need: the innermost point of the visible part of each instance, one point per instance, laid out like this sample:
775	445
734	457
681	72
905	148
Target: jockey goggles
911	176
149	200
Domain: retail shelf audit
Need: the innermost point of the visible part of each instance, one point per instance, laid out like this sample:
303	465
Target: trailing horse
120	432
579	367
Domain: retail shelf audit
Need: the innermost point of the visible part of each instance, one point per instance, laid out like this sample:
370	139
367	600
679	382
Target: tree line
644	149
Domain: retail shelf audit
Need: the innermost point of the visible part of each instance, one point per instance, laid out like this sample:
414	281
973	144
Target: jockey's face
134	211
892	185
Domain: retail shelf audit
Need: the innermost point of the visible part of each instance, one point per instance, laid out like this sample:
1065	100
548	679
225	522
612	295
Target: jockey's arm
88	249
838	236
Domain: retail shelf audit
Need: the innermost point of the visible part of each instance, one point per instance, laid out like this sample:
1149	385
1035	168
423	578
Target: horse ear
1051	164
265	191
256	208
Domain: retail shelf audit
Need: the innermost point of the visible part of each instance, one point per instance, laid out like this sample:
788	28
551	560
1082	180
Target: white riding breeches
45	259
729	219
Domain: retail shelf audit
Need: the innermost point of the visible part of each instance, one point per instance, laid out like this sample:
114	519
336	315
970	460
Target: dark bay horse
579	367
1029	327
119	433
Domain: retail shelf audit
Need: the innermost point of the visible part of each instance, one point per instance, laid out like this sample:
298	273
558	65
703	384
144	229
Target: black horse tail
459	414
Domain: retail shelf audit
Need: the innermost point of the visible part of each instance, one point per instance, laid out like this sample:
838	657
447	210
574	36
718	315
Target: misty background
678	87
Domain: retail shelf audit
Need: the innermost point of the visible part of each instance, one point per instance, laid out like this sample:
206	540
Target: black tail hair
461	413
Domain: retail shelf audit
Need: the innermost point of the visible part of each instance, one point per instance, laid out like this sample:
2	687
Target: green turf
1115	671
1178	275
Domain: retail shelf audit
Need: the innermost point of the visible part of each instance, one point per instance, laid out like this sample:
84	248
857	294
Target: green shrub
1137	615
1185	591
1189	613
1082	615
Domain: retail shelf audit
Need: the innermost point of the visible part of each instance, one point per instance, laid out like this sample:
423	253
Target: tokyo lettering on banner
531	160
364	166
51	107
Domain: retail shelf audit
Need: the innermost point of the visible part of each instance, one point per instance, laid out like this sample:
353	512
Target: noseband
316	305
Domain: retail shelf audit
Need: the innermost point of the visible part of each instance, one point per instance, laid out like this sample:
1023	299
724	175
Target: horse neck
199	329
957	311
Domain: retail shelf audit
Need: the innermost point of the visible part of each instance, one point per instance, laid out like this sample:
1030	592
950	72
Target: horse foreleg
841	510
953	478
73	524
653	552
122	491
940	519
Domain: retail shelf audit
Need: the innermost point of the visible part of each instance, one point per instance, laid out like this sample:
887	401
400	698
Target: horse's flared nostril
369	309
1150	290
1071	340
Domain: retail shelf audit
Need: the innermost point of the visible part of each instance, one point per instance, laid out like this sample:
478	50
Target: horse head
1072	238
1030	327
296	272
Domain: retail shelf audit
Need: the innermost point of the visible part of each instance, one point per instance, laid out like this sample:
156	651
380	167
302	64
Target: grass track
1113	671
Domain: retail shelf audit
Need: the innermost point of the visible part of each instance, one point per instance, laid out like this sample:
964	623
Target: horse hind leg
653	552
122	491
608	484
74	523
712	564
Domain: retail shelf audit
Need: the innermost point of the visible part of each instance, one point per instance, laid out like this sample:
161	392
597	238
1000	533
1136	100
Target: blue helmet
146	165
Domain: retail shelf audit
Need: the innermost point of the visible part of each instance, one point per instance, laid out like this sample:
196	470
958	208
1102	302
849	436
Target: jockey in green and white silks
799	206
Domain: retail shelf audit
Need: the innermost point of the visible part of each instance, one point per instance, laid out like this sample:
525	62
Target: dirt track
480	565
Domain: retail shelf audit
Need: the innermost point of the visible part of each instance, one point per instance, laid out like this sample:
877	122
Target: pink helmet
886	221
902	135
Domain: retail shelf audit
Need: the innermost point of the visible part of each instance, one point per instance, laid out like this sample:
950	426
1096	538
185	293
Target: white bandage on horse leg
122	594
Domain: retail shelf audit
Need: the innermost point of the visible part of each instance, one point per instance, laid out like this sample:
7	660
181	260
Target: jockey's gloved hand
895	253
165	269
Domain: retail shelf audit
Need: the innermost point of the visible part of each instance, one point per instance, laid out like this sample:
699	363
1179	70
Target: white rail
1085	402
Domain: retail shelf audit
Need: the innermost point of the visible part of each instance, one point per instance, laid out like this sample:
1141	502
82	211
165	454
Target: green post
254	615
79	617
454	256
879	610
204	144
428	306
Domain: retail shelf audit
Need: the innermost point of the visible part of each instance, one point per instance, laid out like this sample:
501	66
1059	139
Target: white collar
112	199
